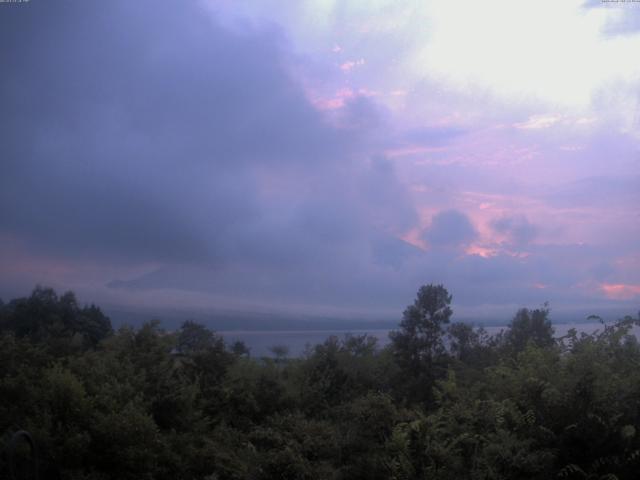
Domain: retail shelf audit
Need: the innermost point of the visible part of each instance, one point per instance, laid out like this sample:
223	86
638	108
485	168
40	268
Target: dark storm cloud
146	131
450	228
131	127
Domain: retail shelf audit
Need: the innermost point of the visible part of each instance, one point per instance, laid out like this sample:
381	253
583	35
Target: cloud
538	122
143	139
597	191
360	114
450	228
183	144
623	18
172	154
518	230
621	291
350	64
435	135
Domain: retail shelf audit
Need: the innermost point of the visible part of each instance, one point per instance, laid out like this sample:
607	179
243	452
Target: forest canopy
443	400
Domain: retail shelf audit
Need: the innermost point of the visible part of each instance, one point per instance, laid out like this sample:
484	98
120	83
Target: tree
57	320
240	349
530	326
418	344
195	338
281	352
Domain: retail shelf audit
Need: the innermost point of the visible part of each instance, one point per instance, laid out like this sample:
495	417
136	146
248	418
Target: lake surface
260	342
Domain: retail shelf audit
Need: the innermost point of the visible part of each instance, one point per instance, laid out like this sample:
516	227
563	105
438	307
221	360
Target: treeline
442	401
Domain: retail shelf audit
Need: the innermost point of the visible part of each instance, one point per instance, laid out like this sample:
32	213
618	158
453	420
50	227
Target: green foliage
442	401
418	346
58	322
530	326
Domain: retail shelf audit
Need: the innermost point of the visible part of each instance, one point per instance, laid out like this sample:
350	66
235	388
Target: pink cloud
351	64
481	251
620	291
339	98
414	237
412	150
537	122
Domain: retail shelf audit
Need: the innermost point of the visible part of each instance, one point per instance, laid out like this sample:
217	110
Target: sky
322	157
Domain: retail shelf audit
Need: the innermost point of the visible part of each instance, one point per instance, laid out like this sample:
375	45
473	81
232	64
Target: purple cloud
171	155
450	228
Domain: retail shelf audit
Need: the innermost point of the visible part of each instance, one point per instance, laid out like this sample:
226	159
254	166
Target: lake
260	341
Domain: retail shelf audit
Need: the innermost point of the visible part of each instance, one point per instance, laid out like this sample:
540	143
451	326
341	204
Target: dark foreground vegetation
442	401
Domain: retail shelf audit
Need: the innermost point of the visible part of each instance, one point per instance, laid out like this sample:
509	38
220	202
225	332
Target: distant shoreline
260	342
